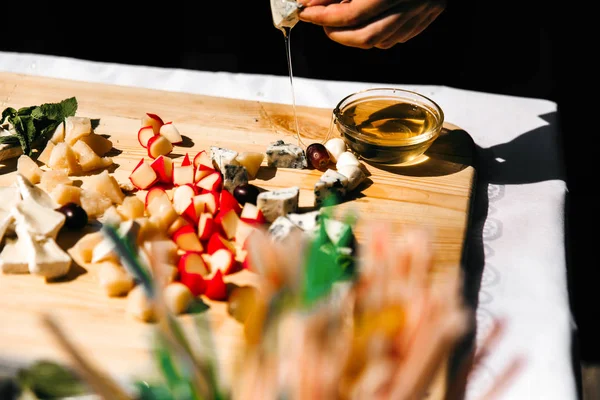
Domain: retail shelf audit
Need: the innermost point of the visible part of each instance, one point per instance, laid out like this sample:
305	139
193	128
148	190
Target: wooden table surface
435	193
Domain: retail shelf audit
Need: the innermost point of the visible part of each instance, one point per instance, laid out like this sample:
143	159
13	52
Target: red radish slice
159	146
154	192
202	171
143	176
210	201
163	166
186	160
229	223
152	120
252	214
182	197
206	226
213	182
187	239
169	131
222	260
203	158
183	175
144	135
228	202
216	288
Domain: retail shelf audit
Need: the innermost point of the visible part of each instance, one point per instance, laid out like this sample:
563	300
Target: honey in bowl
388	126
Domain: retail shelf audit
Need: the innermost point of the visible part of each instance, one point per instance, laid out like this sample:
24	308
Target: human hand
371	23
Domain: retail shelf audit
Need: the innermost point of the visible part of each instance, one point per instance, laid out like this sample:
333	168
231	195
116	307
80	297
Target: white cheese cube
346	158
286	155
335	147
13	258
331	183
221	157
282	228
277	203
355	175
308	222
234	176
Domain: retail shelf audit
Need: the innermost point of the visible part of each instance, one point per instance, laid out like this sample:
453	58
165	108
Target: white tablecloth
524	275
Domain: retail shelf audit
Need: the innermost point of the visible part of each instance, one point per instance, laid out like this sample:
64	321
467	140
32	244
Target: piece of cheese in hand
285	13
278	202
286	155
13	258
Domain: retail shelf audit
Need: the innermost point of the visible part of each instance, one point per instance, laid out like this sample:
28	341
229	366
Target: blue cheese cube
331	183
286	155
234	176
278	203
308	222
221	157
282	228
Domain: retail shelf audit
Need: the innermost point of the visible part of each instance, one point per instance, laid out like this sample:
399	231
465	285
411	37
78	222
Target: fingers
411	28
311	3
345	14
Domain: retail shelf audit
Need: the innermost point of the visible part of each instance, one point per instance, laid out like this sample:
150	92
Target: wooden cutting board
435	193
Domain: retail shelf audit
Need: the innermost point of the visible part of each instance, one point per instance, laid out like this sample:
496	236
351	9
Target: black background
528	48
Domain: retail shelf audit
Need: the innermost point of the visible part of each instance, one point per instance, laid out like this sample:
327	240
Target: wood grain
434	193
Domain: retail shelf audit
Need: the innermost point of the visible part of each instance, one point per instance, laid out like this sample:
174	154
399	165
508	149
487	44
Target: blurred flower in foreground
322	327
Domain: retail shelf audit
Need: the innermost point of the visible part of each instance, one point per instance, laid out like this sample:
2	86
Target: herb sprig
33	125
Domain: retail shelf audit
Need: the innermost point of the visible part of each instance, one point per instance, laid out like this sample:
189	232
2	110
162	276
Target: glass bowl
388	125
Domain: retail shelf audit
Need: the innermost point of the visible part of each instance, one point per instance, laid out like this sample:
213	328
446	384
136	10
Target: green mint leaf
48	380
21	132
10	140
7	113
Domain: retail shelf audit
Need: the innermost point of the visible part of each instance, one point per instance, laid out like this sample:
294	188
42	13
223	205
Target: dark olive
246	193
76	217
241	302
318	156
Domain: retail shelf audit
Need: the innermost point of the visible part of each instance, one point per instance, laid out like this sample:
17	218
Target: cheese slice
47	258
30	191
13	258
6	220
9	197
36	219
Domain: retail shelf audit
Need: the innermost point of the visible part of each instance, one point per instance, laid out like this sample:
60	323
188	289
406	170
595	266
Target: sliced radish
183	175
186	160
212	182
159	146
216	288
144	135
229	222
203	158
143	176
187	239
202	171
228	202
205	226
222	260
163	166
152	120
154	192
169	131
